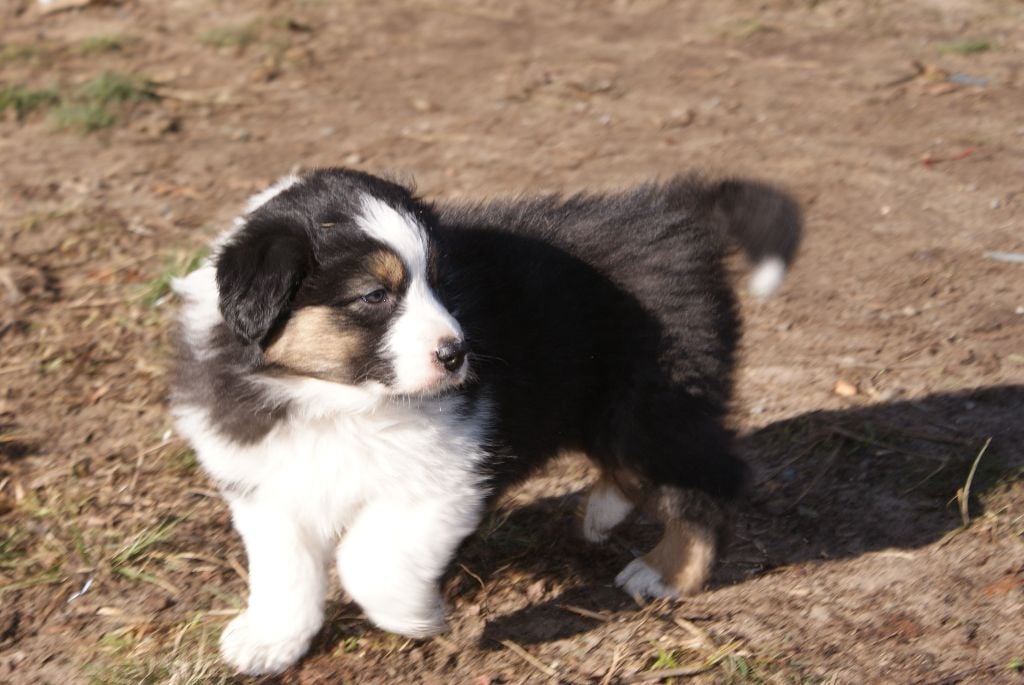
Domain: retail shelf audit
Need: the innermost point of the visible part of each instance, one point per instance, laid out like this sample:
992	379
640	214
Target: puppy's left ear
258	273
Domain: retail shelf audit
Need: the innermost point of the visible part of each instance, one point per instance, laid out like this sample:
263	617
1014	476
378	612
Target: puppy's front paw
640	579
256	647
411	624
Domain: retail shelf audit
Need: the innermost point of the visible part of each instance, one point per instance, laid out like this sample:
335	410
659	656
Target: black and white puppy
361	371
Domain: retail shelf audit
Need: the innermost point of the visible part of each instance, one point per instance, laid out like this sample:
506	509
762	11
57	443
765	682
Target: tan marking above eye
388	269
312	344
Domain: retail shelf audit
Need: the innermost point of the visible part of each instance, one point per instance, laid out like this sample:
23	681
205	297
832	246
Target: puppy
361	371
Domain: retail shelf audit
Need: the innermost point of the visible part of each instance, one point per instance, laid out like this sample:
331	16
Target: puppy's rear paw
257	647
640	579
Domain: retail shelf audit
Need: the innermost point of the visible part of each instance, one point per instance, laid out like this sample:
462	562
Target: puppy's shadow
827	485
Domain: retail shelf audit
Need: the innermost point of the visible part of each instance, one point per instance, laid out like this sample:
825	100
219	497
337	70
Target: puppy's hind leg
681	562
607	506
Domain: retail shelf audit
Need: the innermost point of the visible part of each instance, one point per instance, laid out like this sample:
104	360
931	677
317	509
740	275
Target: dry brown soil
868	387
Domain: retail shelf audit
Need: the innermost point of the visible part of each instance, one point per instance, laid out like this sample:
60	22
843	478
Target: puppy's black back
602	324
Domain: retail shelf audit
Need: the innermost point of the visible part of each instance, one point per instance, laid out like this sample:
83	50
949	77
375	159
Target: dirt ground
133	131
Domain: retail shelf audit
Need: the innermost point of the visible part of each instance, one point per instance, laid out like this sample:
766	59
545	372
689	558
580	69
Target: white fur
767	276
607	507
423	323
389	486
640	579
397	230
200	312
414	337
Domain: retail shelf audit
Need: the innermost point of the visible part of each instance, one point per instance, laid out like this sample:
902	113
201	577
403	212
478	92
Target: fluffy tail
765	222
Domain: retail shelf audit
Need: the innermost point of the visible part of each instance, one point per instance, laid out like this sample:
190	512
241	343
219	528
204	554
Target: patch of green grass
183	462
83	117
1016	664
349	645
26	100
739	667
89	110
966	47
13	547
747	28
99	45
128	658
10	54
664	659
50	575
238	37
136	548
114	87
156	289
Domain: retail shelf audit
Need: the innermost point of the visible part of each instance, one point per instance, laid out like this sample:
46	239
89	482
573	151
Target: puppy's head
334	277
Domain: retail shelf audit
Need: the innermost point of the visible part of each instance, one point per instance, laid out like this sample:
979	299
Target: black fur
598	323
605	324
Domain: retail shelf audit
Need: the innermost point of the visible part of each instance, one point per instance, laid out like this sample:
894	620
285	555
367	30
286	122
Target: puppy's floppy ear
258	273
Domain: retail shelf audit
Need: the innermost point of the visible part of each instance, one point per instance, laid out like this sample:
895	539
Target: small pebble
995	204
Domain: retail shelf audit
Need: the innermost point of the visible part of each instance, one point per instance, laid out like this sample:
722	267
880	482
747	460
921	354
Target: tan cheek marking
311	344
388	269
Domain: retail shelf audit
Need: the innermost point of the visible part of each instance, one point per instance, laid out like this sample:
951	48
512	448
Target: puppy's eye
376	297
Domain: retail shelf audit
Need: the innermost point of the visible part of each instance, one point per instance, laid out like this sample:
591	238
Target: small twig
689	627
616	659
865	440
681	672
929	160
586	613
238	568
473	576
829	461
88	304
944	464
965	492
530	659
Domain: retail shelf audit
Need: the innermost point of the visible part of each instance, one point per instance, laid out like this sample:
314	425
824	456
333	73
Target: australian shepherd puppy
361	371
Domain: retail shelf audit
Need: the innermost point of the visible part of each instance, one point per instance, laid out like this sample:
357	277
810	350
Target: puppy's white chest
324	469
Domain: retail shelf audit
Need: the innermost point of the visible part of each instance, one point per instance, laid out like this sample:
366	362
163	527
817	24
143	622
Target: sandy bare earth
132	131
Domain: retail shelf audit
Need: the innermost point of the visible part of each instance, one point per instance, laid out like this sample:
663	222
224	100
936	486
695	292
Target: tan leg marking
684	557
679	565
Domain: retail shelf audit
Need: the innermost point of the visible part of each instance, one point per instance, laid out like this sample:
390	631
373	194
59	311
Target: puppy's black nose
452	353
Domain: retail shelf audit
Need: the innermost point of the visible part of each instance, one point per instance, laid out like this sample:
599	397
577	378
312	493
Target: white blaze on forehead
422	323
399	231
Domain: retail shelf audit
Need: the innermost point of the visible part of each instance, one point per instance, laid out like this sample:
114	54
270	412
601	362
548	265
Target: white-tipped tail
767	276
